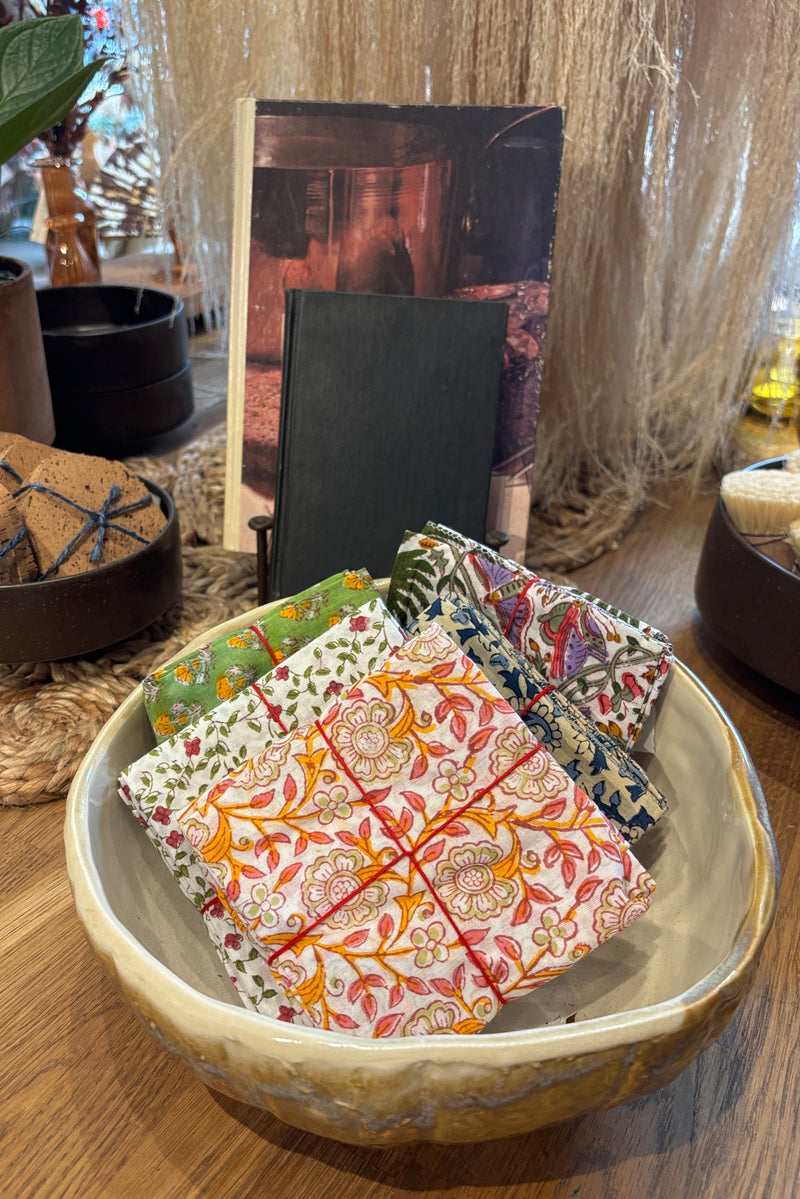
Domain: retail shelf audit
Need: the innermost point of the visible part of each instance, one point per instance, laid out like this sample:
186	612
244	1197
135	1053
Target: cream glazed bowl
621	1022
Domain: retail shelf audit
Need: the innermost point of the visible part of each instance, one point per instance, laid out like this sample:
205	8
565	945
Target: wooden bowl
645	1003
65	618
750	604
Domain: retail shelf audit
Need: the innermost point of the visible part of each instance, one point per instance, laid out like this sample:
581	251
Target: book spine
244	141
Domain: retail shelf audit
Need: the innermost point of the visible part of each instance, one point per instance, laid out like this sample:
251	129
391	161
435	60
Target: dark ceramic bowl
118	364
65	618
111	423
750	603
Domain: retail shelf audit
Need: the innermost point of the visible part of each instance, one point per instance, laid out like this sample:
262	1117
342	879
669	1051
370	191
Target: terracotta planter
25	404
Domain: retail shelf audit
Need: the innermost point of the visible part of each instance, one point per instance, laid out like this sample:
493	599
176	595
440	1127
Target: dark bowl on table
79	614
750	603
118	364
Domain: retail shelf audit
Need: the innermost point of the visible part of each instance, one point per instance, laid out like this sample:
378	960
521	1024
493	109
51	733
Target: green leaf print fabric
180	693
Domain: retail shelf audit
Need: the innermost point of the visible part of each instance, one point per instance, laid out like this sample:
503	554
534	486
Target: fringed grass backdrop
679	172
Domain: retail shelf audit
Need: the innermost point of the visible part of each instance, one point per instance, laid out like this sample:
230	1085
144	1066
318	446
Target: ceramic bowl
644	1004
118	364
82	613
750	604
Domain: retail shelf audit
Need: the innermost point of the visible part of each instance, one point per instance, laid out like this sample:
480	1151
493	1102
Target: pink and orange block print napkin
413	858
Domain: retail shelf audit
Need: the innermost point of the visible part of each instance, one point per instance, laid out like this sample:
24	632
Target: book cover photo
416	200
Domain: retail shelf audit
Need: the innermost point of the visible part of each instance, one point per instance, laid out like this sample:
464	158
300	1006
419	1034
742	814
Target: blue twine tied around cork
9	469
102	519
9	546
13	542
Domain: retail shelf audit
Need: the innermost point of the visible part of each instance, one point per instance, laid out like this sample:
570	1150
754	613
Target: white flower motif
265	768
553	932
289	973
619	907
430	943
453	781
196	832
331	885
333	804
263	906
436	1017
428	645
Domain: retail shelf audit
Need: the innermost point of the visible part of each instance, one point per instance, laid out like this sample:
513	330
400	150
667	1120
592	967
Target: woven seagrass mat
50	712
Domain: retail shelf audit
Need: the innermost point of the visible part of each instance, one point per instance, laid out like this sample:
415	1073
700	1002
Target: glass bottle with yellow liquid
770	422
776	388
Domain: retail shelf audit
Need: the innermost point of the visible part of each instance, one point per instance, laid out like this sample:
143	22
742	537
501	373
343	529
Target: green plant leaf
41	77
35	55
48	110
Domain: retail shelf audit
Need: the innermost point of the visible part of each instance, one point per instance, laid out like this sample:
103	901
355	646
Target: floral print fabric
165	781
608	664
177	695
414	858
593	760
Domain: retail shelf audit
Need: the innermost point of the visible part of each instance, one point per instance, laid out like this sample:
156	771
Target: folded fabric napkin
610	665
593	760
177	694
164	781
414	858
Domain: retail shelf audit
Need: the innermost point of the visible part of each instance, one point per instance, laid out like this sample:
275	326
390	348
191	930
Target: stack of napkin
392	831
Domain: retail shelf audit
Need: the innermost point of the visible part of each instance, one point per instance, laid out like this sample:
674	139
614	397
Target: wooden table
91	1107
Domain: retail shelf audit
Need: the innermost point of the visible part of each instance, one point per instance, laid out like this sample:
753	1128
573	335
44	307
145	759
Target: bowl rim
197	1016
175	310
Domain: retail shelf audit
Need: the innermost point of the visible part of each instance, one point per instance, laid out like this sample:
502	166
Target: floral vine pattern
414	858
180	693
608	664
166	780
594	760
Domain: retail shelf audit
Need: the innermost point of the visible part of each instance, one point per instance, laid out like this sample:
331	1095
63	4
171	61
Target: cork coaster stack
82	512
63	514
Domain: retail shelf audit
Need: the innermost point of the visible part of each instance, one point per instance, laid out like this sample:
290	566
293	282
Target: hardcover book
416	200
388	414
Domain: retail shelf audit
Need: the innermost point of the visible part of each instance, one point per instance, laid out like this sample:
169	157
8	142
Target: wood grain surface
90	1105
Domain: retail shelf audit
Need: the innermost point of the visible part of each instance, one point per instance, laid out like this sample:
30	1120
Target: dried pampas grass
679	170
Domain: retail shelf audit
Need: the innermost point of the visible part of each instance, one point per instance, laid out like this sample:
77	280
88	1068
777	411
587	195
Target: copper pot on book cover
344	204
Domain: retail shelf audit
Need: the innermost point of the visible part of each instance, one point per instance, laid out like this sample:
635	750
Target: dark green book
388	412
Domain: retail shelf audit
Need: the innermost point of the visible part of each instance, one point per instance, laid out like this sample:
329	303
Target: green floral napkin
178	694
163	783
593	760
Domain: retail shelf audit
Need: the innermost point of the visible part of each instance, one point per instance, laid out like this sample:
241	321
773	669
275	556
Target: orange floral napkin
414	858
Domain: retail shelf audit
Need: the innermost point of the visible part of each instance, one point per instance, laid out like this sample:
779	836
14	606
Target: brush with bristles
762	501
793	537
